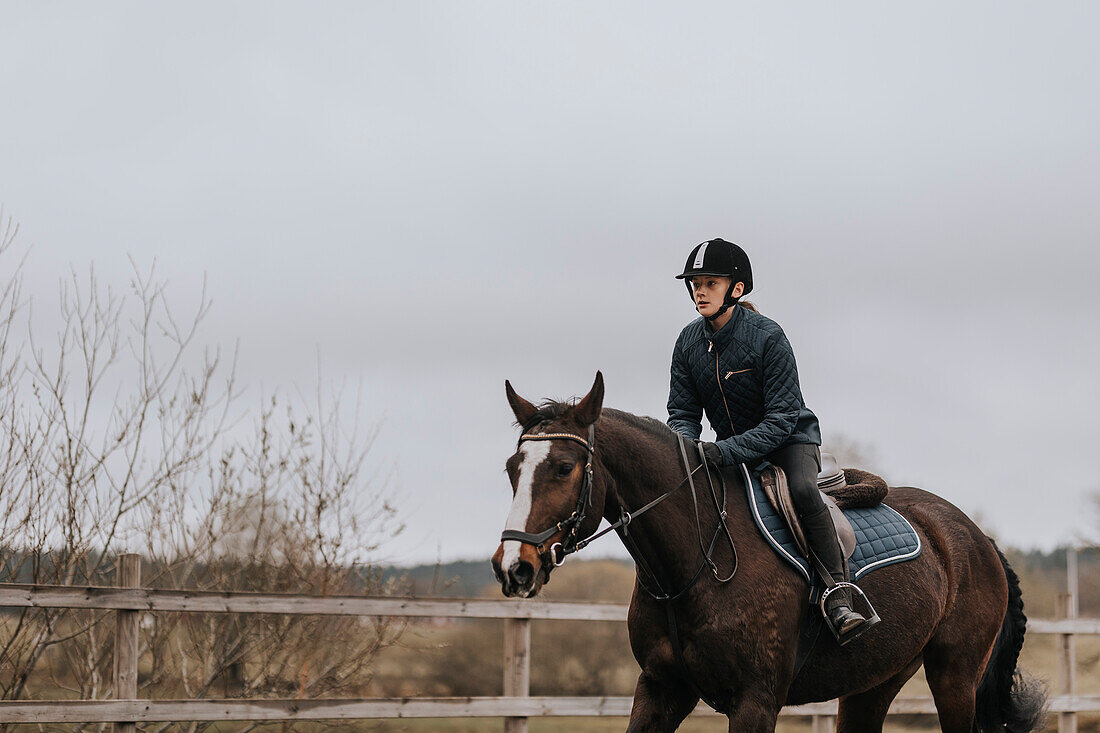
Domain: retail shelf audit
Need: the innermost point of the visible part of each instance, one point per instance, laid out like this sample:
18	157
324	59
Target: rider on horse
737	366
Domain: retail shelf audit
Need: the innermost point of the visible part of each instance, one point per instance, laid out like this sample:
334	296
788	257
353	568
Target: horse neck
642	467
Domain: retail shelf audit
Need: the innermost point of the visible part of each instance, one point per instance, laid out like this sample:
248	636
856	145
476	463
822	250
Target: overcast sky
439	196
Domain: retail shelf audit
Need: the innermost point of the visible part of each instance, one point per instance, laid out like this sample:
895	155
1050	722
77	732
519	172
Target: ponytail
748	306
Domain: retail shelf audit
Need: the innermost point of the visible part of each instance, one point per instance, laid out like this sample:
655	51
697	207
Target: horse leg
953	677
866	711
956	656
660	704
754	713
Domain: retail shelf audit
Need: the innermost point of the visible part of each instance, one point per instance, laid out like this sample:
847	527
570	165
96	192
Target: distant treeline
1044	571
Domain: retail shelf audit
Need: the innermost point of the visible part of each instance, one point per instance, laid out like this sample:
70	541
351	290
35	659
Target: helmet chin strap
728	303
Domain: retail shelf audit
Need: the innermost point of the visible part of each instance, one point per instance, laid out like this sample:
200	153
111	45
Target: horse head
556	501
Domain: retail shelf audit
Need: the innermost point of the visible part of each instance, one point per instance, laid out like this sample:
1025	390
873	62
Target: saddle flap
774	481
844	531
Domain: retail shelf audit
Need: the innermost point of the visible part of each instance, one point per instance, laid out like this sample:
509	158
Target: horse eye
565	469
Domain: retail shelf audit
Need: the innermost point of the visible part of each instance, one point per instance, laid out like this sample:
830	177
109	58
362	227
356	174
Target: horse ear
588	409
522	409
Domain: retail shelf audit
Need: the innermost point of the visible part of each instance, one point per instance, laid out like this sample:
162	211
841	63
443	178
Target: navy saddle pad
883	537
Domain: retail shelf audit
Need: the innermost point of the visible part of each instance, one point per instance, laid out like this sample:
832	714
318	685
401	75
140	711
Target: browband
556	436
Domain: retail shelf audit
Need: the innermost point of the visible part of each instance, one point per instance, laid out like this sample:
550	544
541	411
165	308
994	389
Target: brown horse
956	608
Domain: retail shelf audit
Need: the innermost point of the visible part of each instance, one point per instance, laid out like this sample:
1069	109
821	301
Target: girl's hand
713	455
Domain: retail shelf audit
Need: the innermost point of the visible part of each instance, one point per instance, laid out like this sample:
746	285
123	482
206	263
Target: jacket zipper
718	376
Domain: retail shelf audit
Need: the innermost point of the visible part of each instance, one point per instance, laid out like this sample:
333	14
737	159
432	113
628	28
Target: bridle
569	543
555	554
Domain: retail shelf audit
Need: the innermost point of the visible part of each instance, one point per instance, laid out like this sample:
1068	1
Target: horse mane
546	411
553	409
649	425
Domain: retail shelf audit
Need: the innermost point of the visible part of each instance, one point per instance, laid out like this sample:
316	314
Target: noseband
556	553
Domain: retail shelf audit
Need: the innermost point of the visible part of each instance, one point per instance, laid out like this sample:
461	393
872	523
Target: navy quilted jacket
744	378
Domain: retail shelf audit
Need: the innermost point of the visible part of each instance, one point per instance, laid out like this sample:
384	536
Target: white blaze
534	453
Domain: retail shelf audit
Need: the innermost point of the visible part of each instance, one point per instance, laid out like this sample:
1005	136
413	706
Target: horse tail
1008	698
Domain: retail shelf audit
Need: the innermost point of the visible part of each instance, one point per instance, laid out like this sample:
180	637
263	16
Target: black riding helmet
719	257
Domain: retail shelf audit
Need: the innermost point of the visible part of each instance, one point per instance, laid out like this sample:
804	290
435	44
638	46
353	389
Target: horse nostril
523	573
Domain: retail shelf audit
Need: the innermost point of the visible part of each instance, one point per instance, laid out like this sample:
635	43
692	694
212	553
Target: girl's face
710	292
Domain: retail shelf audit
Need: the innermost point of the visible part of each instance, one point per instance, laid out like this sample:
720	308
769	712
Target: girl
737	366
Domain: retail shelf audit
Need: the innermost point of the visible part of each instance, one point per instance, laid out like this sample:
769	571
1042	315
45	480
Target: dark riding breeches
801	462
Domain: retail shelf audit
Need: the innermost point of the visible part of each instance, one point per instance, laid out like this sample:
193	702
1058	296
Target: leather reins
558	551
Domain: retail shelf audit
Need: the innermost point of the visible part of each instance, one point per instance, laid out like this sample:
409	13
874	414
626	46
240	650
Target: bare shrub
118	433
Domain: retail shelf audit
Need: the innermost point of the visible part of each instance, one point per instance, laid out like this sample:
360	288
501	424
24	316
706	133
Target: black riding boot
821	536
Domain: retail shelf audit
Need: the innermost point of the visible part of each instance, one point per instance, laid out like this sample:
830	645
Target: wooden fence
129	600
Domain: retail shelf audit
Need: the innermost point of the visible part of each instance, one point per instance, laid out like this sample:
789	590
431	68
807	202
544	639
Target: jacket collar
724	335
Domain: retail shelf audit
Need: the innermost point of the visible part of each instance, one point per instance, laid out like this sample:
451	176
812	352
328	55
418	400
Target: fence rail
515	706
148	711
153	599
26	595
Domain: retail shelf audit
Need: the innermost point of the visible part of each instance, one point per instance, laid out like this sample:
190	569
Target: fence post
1067	721
517	667
127	575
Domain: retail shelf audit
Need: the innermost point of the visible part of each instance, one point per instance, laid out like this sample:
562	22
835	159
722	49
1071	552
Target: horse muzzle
524	576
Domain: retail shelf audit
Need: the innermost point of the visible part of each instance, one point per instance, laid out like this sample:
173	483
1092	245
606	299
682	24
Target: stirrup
870	619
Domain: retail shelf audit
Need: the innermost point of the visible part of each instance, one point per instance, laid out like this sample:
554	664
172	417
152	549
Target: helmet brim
693	273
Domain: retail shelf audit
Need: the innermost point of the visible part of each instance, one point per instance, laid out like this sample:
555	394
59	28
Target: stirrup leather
869	620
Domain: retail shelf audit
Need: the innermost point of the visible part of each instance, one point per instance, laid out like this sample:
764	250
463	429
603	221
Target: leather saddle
867	491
